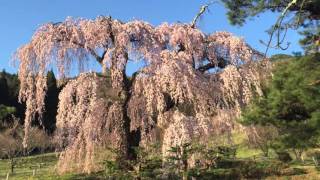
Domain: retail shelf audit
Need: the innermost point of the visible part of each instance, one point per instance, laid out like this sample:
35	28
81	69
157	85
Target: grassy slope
244	152
26	166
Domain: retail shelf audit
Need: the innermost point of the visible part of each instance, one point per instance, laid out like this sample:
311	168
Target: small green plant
178	159
148	162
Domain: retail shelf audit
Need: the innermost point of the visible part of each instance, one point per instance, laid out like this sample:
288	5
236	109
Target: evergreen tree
4	90
291	103
9	92
51	103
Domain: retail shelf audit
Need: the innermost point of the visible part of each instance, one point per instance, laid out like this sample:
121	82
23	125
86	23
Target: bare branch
203	9
277	28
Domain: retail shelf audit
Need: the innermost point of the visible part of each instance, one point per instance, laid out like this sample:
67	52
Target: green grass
26	165
43	165
243	151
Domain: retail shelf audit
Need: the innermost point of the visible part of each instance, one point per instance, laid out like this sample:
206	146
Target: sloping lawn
42	167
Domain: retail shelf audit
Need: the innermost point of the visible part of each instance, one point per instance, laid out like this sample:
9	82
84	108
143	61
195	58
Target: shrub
262	137
39	141
284	156
227	151
252	169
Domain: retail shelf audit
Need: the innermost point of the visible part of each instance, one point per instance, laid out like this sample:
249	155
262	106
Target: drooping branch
91	51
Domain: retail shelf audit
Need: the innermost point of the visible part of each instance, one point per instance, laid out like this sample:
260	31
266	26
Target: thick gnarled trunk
120	84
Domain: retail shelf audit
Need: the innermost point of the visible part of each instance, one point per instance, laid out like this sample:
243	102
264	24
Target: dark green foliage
148	161
112	170
291	103
152	167
240	10
178	159
146	164
4	89
5	112
311	40
252	169
206	159
9	92
226	151
6	106
284	156
240	169
51	103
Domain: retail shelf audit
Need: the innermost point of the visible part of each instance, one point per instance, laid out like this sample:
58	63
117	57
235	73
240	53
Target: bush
241	169
284	156
227	151
11	141
262	137
252	169
231	174
5	115
39	141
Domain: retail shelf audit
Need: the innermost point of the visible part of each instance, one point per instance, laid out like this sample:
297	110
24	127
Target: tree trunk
298	154
120	84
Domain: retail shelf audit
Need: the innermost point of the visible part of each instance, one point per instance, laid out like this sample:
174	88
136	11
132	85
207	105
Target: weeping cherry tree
191	84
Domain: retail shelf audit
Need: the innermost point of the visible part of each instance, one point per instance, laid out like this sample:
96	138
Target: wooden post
12	165
8	176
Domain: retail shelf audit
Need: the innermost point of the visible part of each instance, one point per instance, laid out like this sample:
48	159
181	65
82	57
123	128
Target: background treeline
11	109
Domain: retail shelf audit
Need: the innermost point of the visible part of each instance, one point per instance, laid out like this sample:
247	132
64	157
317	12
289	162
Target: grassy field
39	167
33	167
42	167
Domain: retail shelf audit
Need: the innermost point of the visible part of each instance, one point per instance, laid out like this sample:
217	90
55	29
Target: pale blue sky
20	18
